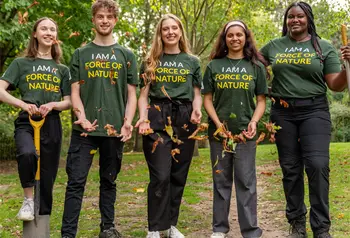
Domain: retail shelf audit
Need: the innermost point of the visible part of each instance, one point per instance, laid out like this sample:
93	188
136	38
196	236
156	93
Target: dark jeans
50	147
79	161
303	142
240	168
167	177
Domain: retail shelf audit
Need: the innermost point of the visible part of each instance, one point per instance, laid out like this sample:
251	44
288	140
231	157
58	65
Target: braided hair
311	28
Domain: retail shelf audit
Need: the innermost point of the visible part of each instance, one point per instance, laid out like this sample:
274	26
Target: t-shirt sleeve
65	86
197	74
132	69
74	67
261	83
208	81
265	52
12	73
331	61
142	75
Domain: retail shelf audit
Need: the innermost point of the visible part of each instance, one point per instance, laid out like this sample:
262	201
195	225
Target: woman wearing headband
233	78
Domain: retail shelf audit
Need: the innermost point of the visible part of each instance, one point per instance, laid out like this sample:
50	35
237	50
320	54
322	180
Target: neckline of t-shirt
297	42
234	59
37	58
104	46
172	54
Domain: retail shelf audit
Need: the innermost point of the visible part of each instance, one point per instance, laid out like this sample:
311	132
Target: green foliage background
137	21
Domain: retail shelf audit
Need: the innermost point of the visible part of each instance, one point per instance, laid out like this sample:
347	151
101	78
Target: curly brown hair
111	5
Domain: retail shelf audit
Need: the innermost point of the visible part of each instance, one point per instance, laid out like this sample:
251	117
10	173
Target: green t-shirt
40	81
103	73
234	84
298	71
178	73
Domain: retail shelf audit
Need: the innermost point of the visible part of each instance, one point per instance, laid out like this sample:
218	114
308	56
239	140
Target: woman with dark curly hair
234	77
303	66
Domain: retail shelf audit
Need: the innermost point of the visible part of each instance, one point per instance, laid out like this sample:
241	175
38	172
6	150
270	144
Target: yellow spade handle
36	126
344	37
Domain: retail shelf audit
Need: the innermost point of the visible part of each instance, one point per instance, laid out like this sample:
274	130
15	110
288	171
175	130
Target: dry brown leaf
174	152
261	138
165	92
157	107
110	130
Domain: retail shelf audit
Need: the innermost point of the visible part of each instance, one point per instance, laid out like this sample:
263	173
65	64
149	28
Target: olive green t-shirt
40	81
234	84
103	73
298	71
178	73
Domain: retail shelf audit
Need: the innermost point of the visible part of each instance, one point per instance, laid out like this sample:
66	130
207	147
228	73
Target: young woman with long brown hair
43	82
234	77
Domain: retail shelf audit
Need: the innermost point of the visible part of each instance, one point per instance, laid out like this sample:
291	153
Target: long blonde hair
157	48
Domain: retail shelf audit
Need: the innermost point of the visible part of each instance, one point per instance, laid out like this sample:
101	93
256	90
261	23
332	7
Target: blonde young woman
171	80
42	82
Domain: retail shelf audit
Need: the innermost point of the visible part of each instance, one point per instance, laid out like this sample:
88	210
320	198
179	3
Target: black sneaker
323	235
298	228
110	233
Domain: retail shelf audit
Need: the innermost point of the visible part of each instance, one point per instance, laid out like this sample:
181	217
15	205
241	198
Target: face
171	32
46	33
104	22
296	21
235	39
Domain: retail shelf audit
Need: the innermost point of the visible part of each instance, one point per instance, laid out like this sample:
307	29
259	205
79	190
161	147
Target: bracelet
254	121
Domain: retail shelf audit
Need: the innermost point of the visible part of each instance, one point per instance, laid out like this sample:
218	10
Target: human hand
32	109
46	108
345	52
251	130
143	125
126	131
86	124
196	116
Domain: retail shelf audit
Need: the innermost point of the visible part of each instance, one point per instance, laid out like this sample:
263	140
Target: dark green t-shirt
103	73
40	81
298	71
178	73
234	84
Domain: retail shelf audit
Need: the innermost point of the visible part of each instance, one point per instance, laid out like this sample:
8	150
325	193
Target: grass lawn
195	215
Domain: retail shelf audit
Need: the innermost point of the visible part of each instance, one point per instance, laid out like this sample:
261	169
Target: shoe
298	228
110	233
26	213
173	232
323	235
218	235
153	234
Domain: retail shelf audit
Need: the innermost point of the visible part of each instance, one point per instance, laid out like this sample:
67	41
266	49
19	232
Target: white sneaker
153	234
175	233
218	235
26	213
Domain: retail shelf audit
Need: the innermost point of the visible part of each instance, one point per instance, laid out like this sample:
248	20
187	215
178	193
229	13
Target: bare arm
337	81
126	130
13	101
79	110
258	113
196	105
209	107
143	123
59	106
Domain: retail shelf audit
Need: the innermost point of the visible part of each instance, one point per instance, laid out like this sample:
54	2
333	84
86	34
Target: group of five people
100	86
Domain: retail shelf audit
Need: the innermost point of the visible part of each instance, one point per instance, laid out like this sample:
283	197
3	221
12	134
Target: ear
116	20
34	34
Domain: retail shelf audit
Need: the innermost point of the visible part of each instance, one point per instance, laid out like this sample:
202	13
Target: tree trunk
196	152
137	142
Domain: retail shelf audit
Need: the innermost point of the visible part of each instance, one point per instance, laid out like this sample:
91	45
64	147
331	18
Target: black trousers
79	160
303	143
167	177
50	147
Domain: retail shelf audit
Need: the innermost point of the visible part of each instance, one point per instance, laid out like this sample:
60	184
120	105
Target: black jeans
167	176
79	161
50	147
303	142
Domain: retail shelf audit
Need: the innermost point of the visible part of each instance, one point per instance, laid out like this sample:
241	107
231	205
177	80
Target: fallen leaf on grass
139	190
266	173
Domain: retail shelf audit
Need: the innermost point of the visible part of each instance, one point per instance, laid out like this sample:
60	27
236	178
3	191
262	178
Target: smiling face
170	32
104	21
235	39
46	33
297	23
